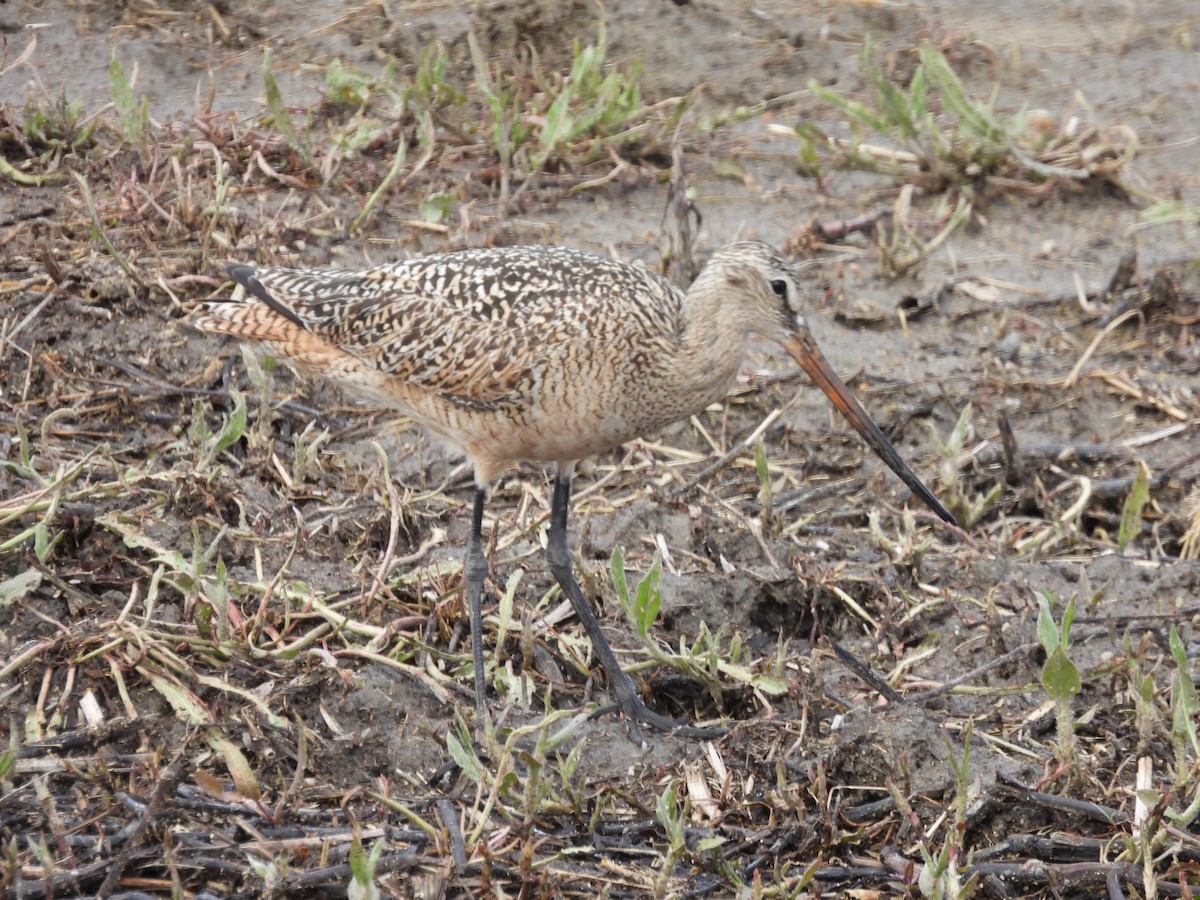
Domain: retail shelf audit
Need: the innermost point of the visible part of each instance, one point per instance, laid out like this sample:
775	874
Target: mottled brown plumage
538	353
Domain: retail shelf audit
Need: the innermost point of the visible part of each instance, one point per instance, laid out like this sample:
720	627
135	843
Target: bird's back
511	286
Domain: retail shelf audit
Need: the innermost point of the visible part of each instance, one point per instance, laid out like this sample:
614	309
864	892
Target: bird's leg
476	570
558	556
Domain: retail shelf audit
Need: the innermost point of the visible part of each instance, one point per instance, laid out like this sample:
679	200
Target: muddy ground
233	655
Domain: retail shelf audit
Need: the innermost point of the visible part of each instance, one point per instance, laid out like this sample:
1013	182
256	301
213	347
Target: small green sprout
133	112
1060	675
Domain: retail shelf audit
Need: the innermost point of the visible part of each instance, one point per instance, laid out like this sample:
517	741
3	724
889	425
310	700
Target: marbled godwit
539	353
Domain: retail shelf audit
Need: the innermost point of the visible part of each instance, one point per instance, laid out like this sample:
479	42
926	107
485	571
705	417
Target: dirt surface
232	667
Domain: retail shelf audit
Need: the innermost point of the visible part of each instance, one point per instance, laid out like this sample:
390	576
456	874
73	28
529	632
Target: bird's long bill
805	351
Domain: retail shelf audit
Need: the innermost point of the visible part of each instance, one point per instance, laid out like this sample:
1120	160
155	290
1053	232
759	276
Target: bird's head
763	286
759	288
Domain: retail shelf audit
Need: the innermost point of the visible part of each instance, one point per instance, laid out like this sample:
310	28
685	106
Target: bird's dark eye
780	289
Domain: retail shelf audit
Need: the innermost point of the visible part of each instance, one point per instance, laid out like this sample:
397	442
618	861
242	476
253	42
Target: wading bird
538	353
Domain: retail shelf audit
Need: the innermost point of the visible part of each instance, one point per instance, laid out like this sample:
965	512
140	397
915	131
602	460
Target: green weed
431	90
504	111
1131	511
1168	212
941	876
708	659
586	106
435	208
281	118
1185	712
9	757
58	129
1060	675
376	101
306	451
967	509
766	492
517	783
673	817
362	884
943	137
133	112
588	101
208	443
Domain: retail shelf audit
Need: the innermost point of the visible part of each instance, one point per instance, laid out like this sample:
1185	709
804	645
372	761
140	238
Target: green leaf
280	117
1149	797
666	810
133	115
507	604
359	133
1060	677
8	762
1185	705
1135	502
358	861
976	118
649	598
1064	632
188	707
762	469
1047	631
769	684
918	92
41	542
362	884
616	566
558	122
20	585
235	425
435	207
347	85
466	759
244	780
1178	652
856	112
1167	212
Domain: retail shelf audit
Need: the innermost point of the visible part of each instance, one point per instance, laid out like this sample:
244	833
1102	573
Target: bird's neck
713	343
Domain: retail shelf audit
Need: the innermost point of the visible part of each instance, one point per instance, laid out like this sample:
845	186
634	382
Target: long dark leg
476	570
559	558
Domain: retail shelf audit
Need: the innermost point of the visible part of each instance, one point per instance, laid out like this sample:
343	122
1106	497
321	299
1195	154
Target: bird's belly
592	415
568	415
569	438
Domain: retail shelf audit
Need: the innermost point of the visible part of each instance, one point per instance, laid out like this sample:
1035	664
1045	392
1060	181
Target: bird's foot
638	713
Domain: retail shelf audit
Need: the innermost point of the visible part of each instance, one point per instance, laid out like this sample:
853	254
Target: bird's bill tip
808	355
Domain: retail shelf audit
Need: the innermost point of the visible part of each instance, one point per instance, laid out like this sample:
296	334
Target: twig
1073	377
112	250
449	819
1084	808
739	447
338	876
840	229
947	686
162	790
393	529
861	669
678	261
